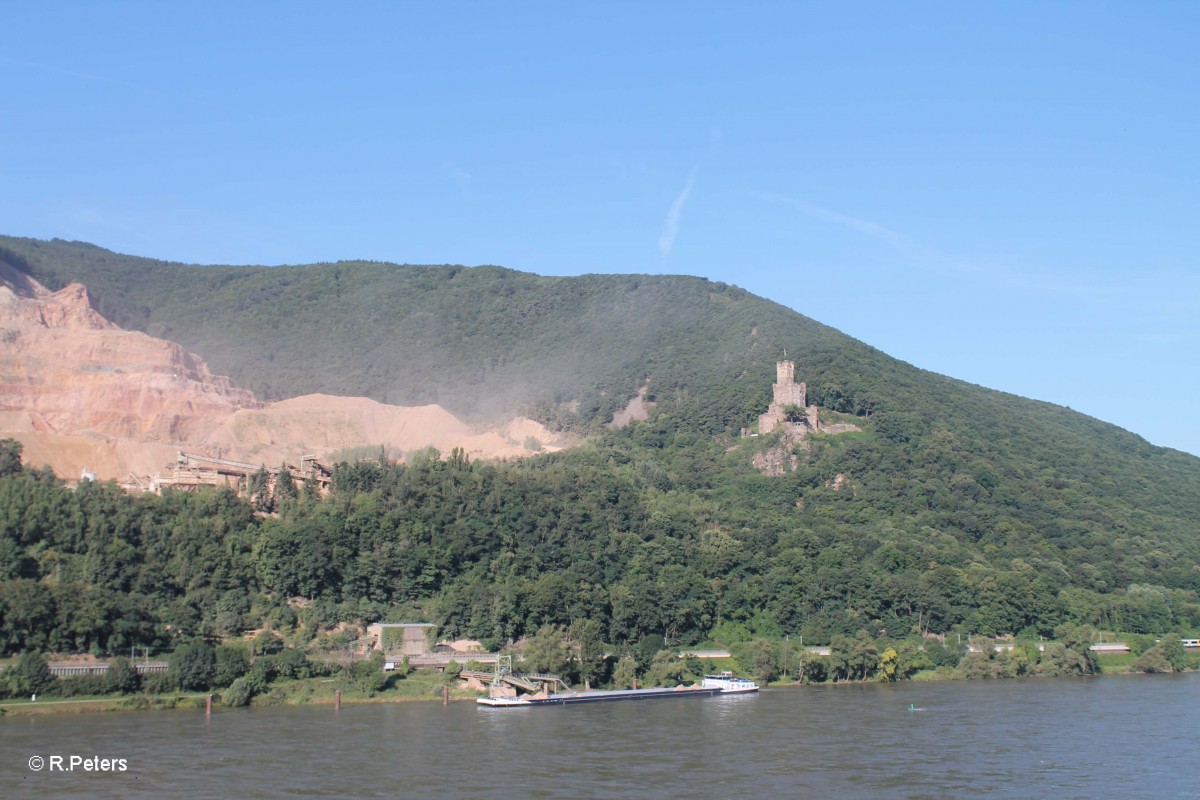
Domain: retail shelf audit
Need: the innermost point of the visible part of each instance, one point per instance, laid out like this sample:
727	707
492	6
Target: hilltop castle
788	394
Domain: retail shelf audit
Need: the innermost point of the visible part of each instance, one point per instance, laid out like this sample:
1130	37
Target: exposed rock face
777	460
64	369
637	409
81	393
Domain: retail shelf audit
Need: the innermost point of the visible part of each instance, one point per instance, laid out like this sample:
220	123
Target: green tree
26	613
1078	643
266	643
647	648
585	636
854	659
913	658
193	665
980	665
864	657
763	660
788	665
1016	662
292	664
285	486
666	669
369	675
260	490
32	674
122	676
546	651
10	457
238	694
232	662
840	658
625	673
814	669
1174	652
458	459
1166	656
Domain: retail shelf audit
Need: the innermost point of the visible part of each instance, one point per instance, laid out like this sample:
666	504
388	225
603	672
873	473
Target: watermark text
66	763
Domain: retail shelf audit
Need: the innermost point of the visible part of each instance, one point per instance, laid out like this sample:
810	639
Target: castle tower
786	392
785	372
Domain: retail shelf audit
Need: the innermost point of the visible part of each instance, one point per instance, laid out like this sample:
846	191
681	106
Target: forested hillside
954	508
649	532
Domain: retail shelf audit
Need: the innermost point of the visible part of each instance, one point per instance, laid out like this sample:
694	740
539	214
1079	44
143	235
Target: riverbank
82	705
1110	664
416	687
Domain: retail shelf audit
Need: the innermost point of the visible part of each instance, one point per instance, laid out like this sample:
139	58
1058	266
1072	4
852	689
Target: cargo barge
596	696
722	684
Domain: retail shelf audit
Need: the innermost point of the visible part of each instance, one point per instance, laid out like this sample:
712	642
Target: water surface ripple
1108	737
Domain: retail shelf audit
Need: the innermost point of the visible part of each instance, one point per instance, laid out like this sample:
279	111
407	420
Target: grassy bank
418	686
81	705
321	691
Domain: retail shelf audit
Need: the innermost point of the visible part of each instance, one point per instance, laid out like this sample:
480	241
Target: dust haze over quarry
481	342
86	397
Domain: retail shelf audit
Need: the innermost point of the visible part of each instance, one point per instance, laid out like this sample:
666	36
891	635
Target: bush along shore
263	672
232	675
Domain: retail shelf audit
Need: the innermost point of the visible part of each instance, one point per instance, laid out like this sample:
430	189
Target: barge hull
598	696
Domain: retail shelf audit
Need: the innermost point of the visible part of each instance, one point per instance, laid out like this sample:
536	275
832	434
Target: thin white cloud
921	257
872	229
666	242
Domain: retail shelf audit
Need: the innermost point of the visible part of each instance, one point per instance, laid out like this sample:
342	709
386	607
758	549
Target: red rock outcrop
64	369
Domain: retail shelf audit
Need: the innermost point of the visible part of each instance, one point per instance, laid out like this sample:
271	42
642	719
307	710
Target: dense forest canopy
953	508
651	532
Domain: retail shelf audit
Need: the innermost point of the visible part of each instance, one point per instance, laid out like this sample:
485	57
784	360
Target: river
1105	737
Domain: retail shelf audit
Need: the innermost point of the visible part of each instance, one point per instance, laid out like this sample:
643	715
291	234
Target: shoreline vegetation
196	702
427	686
424	686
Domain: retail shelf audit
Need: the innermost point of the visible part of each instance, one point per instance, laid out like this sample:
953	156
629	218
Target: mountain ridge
954	506
572	352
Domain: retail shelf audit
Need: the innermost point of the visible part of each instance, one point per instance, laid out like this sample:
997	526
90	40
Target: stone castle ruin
790	414
789	410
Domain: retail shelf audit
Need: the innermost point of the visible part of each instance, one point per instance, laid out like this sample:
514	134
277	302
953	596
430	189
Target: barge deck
597	696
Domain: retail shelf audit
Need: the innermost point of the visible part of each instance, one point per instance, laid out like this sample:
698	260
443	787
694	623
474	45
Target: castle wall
791	394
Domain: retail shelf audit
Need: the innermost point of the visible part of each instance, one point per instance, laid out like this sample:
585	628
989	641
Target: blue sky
1004	193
